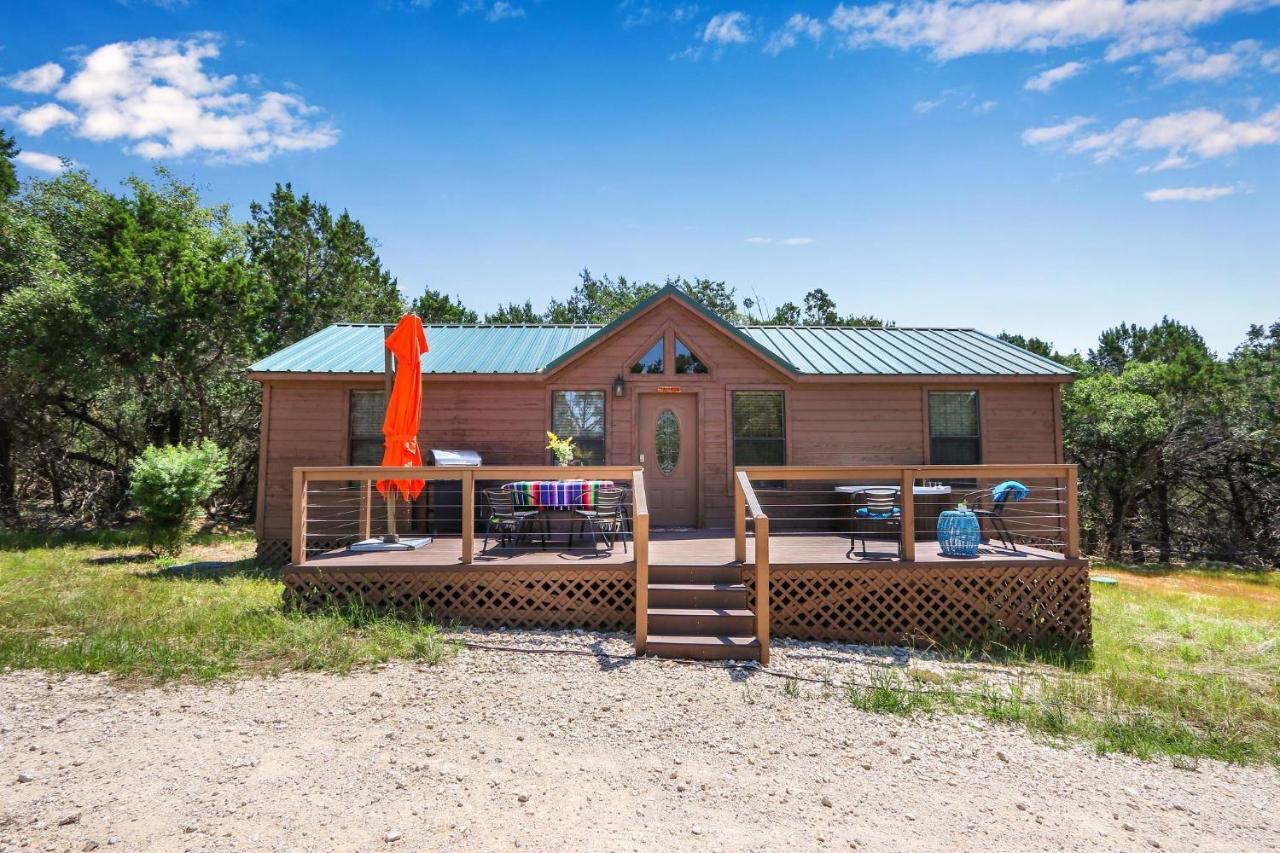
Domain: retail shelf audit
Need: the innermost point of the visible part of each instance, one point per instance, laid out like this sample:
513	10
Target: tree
820	309
436	307
8	175
315	269
598	300
1035	345
514	314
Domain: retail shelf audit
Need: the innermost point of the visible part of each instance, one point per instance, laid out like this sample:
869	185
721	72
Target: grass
1185	664
99	603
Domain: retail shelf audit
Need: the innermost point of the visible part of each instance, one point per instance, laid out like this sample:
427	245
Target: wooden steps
700	612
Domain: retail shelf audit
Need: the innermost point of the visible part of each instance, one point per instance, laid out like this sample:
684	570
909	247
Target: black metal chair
504	518
993	514
880	507
606	519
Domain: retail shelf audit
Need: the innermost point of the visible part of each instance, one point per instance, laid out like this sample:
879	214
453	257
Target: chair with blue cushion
1001	496
881	507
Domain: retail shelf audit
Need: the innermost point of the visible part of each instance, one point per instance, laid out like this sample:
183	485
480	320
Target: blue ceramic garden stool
958	533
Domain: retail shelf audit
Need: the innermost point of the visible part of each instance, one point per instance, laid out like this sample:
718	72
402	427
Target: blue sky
1050	167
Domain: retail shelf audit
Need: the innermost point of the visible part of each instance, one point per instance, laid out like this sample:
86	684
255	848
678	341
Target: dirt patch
1172	582
498	750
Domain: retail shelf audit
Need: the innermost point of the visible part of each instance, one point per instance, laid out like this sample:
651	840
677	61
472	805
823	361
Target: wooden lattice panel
1045	605
597	598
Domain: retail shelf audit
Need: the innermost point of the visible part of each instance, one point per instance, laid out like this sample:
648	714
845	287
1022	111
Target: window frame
351	436
977	439
605	394
667	335
730	393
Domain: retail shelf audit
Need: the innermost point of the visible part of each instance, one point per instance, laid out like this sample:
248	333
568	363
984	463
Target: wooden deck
672	548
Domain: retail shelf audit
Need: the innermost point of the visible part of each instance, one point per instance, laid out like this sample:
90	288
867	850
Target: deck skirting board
597	598
976	604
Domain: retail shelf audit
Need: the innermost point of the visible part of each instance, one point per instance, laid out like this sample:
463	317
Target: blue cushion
1009	490
868	512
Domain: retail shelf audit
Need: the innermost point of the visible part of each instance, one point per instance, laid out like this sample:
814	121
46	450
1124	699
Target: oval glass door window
668	441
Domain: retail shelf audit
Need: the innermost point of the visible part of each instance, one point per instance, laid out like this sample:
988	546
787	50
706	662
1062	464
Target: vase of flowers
561	448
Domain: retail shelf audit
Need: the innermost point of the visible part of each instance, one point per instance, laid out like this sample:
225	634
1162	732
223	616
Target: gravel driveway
499	750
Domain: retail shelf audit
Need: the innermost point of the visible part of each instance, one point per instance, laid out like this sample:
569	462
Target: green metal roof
805	350
894	351
351	348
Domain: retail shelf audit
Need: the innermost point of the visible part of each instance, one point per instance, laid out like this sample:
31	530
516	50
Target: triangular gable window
686	361
650	362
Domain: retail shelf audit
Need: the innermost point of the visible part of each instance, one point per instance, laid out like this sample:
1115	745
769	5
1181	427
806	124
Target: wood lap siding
856	425
1018	424
308	427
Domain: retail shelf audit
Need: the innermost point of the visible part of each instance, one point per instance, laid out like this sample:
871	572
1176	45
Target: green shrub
170	486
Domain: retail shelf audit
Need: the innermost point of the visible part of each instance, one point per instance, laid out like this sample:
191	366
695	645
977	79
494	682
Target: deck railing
747	504
803	500
335	505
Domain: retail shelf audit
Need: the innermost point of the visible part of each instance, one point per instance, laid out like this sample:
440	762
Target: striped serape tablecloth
557	494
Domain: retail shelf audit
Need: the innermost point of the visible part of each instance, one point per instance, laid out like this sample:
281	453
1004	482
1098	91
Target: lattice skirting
275	553
597	598
1046	605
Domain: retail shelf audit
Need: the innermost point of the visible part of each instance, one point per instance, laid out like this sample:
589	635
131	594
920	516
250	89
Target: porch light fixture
619	386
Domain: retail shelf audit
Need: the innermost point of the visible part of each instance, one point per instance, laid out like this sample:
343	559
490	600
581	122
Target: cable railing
835	501
336	506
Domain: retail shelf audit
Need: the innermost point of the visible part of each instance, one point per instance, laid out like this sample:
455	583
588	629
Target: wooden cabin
674	391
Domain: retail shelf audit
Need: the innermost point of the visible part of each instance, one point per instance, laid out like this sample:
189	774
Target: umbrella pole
391	517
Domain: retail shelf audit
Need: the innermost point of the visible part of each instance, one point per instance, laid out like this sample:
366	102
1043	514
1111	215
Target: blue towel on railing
1009	490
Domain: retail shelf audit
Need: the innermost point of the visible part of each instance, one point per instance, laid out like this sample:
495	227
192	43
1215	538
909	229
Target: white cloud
40	162
727	28
797	25
953	28
1202	134
38	80
758	241
1189	193
797	241
1196	65
1046	80
499	10
37	120
642	14
158	97
1055	132
924	106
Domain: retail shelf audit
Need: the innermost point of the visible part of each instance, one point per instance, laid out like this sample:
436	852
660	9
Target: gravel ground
499	750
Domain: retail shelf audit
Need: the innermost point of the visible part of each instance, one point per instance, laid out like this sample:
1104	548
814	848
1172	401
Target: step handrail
746	503
640	544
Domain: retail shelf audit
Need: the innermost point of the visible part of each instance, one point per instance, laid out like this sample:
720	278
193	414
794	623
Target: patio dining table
556	498
557	494
926	512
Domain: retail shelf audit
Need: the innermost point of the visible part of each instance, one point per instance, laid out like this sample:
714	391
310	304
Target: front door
669	452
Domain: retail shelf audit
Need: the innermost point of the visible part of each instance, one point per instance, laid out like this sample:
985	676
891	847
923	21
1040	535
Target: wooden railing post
468	515
1072	532
762	586
640	543
907	497
366	510
299	555
739	518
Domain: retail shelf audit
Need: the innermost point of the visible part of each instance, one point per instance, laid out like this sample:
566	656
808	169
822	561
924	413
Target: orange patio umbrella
404	408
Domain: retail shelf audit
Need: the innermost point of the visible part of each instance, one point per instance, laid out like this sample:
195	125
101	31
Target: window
365	431
650	362
759	428
686	361
580	415
954	434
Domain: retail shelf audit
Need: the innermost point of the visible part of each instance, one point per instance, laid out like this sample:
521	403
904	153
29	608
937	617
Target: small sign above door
669	389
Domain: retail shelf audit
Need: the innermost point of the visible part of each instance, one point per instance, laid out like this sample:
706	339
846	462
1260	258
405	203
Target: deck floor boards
672	548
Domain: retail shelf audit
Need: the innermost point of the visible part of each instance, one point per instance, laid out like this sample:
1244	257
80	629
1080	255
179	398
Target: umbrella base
406	543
